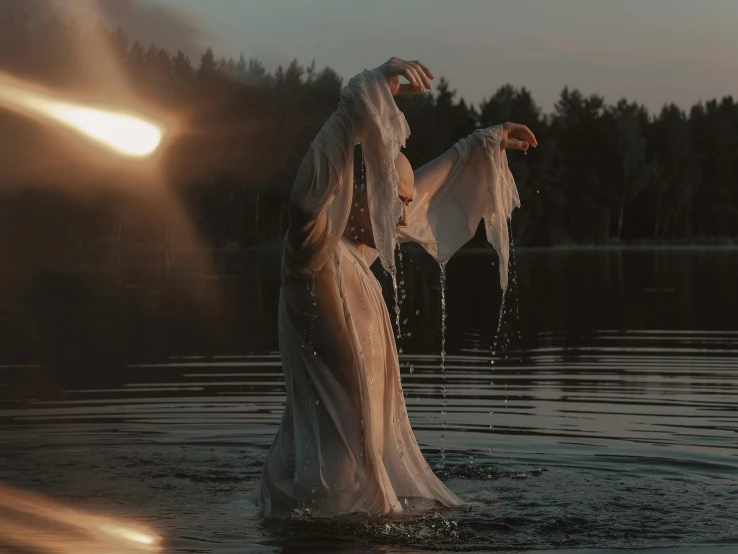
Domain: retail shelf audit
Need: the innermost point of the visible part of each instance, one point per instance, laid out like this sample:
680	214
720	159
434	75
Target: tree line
604	173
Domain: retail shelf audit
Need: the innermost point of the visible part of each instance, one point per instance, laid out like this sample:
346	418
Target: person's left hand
517	137
417	73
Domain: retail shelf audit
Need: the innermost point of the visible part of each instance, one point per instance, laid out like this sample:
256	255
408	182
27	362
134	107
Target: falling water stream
443	360
398	298
494	350
397	302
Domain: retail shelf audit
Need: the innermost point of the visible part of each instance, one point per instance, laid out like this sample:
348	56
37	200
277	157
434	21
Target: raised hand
418	75
517	137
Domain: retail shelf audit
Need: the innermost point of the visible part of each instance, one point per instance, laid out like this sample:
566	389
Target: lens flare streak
120	132
33	524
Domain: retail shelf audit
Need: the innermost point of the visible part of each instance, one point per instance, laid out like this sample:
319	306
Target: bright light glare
127	533
145	539
34	524
125	134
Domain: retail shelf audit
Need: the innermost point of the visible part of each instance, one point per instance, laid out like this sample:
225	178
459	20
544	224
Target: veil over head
451	198
386	131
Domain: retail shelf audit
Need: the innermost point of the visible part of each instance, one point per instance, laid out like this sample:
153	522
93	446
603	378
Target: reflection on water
608	419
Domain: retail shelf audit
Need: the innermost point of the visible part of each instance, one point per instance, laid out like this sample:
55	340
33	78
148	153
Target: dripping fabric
345	443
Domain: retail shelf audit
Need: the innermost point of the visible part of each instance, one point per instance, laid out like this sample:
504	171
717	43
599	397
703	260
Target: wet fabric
345	443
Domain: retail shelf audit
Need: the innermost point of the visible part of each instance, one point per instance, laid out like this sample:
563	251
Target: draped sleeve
320	199
468	184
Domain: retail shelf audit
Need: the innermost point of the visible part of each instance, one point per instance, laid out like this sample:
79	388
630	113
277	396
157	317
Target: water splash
484	472
417	528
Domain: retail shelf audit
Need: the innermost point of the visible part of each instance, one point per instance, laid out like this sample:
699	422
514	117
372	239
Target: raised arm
320	198
469	183
320	195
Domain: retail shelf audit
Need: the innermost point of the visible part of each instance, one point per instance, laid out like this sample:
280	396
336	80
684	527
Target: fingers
421	71
526	134
518	131
514	144
425	69
417	77
417	74
411	75
407	89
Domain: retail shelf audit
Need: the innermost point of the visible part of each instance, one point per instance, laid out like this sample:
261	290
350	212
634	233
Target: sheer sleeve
469	183
321	196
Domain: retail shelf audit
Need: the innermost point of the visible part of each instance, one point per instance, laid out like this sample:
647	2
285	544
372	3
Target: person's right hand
418	75
517	137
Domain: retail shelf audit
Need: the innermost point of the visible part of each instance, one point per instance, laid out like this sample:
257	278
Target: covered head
359	227
470	183
476	185
385	132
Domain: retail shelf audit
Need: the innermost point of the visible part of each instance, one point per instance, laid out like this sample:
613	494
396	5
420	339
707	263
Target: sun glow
32	523
122	133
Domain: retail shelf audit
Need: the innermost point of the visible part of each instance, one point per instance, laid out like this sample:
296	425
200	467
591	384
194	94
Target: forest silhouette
603	174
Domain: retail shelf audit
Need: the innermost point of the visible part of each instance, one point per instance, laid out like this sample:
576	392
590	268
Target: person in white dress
345	444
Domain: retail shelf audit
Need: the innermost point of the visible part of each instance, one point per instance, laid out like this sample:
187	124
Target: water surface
608	419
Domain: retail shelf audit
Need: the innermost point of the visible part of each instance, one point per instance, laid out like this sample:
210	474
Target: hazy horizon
655	53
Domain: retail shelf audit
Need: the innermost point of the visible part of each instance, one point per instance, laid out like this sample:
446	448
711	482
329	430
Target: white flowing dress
345	444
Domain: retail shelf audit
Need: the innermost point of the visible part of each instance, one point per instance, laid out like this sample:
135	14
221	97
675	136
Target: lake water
609	419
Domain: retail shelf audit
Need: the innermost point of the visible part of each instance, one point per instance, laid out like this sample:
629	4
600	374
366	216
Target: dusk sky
653	51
